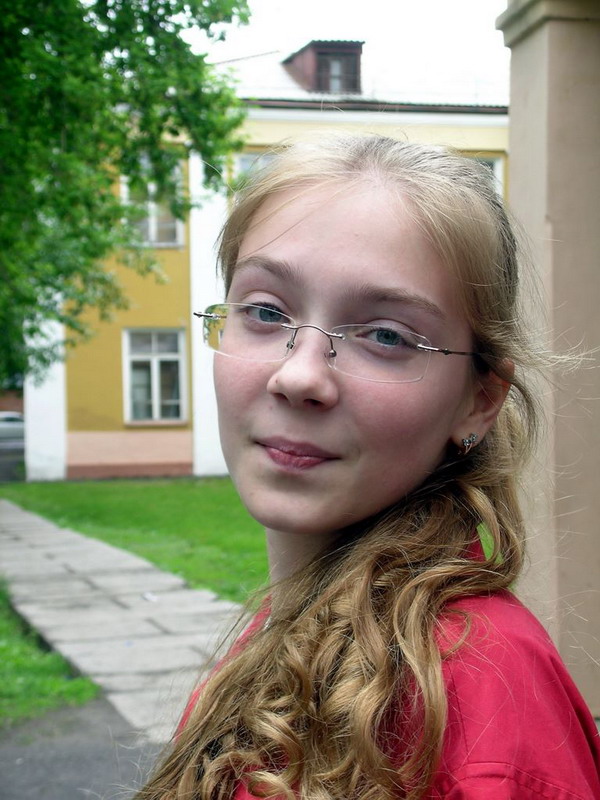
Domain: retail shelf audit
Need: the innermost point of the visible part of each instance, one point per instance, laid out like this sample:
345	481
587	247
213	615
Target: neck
289	552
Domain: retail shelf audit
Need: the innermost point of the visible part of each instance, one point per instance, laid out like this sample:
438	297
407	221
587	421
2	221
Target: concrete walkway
135	630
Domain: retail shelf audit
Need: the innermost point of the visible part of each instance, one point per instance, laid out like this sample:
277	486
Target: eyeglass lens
384	354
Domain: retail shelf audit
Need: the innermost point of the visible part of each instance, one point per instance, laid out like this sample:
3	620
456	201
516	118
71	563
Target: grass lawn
33	680
196	528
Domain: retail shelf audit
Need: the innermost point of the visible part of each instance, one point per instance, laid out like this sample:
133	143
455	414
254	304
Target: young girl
374	416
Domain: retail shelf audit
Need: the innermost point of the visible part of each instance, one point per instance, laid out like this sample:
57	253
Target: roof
262	79
329	43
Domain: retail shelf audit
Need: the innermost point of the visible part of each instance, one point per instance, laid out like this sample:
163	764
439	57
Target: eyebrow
364	292
280	269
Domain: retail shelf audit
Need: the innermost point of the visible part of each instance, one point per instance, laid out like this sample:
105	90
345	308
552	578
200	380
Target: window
154	375
338	72
249	162
495	164
327	66
159	228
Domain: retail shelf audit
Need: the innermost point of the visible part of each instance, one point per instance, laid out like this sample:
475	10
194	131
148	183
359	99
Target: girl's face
312	450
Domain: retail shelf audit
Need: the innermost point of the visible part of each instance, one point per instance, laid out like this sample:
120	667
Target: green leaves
90	91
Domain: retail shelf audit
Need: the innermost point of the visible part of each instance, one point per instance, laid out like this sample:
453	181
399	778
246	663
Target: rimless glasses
389	353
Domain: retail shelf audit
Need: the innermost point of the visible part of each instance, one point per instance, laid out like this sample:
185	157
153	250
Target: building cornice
374	106
333	116
522	17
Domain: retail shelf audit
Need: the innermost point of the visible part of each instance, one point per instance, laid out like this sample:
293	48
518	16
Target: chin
300	524
300	527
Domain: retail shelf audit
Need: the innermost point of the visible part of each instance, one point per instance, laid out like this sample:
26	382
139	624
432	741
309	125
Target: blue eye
388	337
383	341
263	316
266	313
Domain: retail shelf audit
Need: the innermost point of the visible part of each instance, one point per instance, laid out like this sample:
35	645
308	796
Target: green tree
91	90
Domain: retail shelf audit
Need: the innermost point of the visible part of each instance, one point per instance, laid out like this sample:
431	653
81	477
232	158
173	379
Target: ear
489	394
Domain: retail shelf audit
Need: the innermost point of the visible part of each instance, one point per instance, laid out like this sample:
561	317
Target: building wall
95	386
574	205
205	288
555	192
45	418
147	453
474	132
94	374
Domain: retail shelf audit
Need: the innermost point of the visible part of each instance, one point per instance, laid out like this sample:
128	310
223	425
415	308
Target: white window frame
155	359
152	217
497	162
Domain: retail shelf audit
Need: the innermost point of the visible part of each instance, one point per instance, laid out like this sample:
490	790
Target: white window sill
156	423
164	245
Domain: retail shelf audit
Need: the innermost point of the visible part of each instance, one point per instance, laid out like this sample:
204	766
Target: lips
295	455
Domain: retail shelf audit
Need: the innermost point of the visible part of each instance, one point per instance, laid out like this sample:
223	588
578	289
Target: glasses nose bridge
294	332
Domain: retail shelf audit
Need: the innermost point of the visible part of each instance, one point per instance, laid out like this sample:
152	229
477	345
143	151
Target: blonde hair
341	694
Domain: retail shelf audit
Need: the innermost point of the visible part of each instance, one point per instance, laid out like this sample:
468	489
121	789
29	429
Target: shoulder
515	716
495	624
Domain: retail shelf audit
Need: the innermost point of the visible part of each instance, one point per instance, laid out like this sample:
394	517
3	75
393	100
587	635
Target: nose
304	377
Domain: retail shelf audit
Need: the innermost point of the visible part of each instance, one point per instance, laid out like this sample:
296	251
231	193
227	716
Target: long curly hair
339	693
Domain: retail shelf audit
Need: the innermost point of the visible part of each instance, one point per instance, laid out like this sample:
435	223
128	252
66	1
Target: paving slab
54	609
55	586
29	568
106	628
128	647
58	539
144	636
151	708
183	680
86	562
199	601
219	622
151	580
28	524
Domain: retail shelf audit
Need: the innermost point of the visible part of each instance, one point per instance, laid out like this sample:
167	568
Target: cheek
221	378
238	382
399	437
409	430
392	409
237	386
228	393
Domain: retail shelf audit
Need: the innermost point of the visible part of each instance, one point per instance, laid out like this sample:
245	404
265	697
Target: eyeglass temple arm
482	357
447	352
204	315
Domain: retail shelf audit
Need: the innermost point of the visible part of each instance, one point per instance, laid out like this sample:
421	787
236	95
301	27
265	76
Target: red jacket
518	729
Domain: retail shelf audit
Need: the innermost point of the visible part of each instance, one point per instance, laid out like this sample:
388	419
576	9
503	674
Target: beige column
555	192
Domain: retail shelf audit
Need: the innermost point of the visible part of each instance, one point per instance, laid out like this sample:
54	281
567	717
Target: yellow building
137	399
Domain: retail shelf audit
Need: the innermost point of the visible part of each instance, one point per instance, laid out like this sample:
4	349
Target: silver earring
468	443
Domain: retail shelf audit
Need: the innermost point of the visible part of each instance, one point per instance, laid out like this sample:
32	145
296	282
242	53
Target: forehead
349	234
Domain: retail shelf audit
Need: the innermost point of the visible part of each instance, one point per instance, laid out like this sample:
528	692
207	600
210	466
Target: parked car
12	425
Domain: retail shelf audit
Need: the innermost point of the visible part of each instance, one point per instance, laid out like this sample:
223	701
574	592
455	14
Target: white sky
435	50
